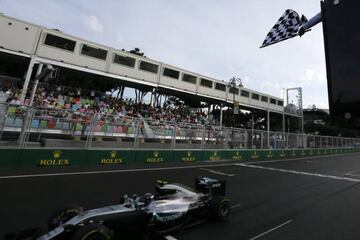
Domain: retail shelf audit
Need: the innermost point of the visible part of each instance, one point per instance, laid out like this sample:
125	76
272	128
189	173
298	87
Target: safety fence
26	127
45	158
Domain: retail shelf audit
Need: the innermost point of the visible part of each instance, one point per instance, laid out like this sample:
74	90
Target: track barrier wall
45	158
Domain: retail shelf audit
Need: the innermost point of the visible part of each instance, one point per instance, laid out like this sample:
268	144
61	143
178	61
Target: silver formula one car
150	216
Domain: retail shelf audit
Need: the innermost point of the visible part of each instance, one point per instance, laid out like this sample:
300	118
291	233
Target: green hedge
16	158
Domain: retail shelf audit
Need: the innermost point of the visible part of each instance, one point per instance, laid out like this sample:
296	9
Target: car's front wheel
220	207
62	215
93	231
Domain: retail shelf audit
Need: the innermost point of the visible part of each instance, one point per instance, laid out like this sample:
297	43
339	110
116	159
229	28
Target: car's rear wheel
63	215
93	231
220	207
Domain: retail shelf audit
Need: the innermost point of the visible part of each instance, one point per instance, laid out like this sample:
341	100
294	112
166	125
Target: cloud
312	77
93	23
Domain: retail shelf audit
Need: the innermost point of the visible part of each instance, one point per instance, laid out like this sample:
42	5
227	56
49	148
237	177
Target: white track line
298	172
207	161
170	238
270	230
157	169
217	172
296	159
236	206
112	171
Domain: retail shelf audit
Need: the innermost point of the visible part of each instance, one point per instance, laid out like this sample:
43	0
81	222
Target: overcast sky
219	39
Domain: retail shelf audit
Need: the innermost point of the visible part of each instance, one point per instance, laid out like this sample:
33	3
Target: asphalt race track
315	198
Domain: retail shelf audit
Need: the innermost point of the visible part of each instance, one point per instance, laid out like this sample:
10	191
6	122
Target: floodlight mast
299	104
233	82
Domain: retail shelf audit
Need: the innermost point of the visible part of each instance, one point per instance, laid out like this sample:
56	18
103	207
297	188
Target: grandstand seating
55	47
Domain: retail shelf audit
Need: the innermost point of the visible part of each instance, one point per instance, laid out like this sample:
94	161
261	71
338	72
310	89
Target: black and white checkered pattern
286	27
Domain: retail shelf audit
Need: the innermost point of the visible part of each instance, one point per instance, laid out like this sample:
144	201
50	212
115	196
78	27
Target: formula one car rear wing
211	186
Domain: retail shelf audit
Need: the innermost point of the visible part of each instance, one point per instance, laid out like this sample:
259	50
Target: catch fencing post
137	133
314	141
27	118
203	137
252	130
268	128
91	132
321	142
173	145
287	140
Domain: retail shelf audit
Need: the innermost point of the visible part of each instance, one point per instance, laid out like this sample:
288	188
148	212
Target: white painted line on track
217	172
158	169
170	238
299	172
112	171
207	161
236	206
271	230
296	159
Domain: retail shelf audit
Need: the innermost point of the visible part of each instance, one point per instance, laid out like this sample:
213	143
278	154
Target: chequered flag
286	27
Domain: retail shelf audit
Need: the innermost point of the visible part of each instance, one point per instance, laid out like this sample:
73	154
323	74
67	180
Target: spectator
77	106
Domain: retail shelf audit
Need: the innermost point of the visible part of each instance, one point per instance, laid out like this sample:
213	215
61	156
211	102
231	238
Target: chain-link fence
28	127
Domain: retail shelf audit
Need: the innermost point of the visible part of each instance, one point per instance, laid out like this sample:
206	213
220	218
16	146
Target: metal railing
36	127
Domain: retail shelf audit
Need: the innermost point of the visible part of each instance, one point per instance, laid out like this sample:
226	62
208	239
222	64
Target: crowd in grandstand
76	105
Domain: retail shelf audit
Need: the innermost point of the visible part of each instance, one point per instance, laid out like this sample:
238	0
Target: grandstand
81	104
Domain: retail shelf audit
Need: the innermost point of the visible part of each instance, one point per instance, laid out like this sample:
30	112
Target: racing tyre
220	208
93	231
62	215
